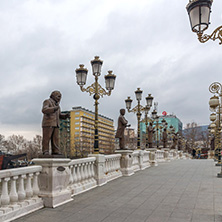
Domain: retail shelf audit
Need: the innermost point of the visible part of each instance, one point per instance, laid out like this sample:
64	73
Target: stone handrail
19	192
82	175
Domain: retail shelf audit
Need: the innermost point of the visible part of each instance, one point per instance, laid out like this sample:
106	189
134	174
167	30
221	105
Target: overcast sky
147	44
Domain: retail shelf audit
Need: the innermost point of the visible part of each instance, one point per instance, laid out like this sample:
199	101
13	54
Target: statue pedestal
126	162
54	181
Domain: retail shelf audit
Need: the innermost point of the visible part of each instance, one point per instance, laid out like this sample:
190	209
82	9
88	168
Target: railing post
99	169
53	181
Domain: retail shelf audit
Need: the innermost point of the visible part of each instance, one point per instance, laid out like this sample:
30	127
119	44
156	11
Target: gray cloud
147	44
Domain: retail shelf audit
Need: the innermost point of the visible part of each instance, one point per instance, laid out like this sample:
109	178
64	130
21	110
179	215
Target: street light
95	89
215	105
149	101
139	109
199	15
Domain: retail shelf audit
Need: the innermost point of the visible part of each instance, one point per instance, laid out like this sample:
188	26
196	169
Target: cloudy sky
147	44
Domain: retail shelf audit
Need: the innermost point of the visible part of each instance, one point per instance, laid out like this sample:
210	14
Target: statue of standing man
150	135
122	124
50	123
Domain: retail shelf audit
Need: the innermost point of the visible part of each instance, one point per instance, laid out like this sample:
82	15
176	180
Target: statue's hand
56	108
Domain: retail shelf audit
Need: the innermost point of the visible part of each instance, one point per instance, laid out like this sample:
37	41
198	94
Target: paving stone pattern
179	191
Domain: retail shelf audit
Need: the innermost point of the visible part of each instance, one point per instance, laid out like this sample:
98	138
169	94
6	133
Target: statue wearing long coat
122	124
150	135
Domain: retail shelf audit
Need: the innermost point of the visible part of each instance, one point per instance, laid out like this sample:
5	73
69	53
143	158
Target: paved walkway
179	191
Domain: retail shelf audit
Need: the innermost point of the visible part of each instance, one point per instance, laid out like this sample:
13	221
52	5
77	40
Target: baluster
75	175
111	166
106	167
93	171
29	191
79	176
71	175
35	184
82	172
21	188
86	172
13	192
89	171
5	199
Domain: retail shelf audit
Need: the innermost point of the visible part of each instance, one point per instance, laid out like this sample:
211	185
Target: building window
77	123
77	117
77	113
76	128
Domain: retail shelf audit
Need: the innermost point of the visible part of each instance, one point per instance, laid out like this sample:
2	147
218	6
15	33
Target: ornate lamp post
199	14
215	105
149	100
138	109
212	130
156	118
95	89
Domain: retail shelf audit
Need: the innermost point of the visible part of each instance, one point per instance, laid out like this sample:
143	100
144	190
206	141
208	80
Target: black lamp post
138	109
95	89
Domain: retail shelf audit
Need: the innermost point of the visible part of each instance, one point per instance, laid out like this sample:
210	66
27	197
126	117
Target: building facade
157	138
82	132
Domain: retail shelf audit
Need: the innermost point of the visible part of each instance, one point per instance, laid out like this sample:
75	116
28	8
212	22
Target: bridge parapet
19	192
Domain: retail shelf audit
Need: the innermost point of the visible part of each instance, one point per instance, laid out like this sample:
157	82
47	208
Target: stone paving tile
179	191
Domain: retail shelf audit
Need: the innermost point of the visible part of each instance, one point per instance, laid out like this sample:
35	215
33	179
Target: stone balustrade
19	192
82	175
54	181
160	156
112	167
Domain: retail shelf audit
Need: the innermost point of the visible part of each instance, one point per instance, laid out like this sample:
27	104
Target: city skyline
147	44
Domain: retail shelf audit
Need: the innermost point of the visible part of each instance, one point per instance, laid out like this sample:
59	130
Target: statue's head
151	123
122	112
56	96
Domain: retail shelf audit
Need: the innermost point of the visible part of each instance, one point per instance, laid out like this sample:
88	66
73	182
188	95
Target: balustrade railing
112	167
160	155
19	192
82	175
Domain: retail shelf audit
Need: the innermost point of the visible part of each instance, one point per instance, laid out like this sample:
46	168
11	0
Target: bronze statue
50	123
150	131
179	143
174	144
122	124
165	138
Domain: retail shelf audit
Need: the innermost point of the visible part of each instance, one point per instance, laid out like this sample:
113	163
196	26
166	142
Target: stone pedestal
153	161
99	169
126	162
54	181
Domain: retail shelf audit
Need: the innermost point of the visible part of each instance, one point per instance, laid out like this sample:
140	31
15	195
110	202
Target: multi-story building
170	119
82	132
